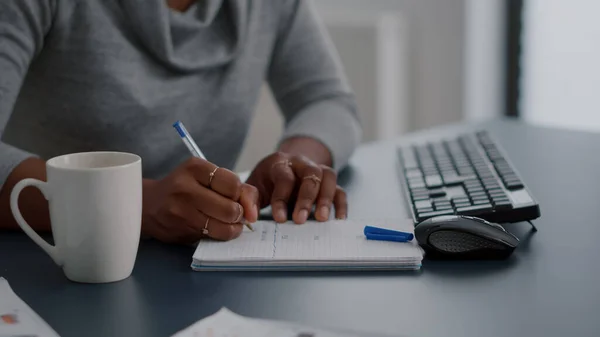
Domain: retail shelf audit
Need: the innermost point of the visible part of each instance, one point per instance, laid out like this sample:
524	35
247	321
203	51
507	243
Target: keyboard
469	174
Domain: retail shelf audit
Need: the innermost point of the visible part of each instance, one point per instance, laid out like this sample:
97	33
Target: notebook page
341	240
337	240
252	245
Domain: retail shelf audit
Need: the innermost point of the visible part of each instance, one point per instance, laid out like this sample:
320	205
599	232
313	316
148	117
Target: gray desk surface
549	287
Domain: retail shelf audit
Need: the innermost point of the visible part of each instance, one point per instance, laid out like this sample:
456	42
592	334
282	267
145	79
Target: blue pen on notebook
194	149
382	234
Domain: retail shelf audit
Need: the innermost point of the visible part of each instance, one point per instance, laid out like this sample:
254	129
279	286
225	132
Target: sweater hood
209	34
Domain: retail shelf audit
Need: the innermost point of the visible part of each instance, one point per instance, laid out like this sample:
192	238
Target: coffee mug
95	201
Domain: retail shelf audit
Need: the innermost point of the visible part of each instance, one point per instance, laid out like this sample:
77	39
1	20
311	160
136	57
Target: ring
212	175
284	162
314	178
205	229
239	218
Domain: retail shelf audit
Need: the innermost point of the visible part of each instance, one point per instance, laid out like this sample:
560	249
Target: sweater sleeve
23	25
308	83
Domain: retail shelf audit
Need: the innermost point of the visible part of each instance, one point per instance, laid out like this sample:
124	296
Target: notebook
332	245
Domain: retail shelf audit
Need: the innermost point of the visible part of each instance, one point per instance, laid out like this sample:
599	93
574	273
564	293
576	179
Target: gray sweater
83	75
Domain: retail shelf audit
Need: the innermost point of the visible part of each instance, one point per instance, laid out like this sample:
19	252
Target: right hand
176	209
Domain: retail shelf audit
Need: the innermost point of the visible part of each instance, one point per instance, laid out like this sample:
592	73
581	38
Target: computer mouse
464	237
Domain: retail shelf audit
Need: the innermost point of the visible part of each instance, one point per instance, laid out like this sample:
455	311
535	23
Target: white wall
561	63
484	59
404	60
413	64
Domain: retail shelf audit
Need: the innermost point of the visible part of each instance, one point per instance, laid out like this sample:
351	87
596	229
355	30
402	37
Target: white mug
95	201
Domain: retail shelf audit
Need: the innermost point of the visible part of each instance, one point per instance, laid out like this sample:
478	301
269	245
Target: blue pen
195	150
382	234
188	140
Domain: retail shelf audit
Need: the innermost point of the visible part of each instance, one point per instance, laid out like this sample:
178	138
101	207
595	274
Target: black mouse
464	237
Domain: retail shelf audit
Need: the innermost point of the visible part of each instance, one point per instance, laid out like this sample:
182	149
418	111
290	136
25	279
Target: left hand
282	178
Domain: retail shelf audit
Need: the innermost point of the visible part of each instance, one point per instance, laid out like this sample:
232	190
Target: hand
282	178
177	208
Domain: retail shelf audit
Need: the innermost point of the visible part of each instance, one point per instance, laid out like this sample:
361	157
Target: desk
549	287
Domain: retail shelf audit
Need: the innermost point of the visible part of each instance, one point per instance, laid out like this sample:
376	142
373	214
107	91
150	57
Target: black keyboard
466	175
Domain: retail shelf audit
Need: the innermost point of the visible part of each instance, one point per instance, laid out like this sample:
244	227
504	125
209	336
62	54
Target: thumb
249	199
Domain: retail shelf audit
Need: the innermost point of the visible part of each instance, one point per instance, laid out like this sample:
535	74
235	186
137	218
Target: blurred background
415	64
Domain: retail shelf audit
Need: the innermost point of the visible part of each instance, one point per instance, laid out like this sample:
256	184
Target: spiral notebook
332	245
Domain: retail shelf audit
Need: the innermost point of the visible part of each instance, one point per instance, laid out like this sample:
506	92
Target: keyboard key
472	181
512	181
474	210
415	184
438	202
492	186
444	207
455	179
415	180
437	193
461	204
433	181
424	210
489	180
446	169
514	186
478	189
465	171
419	190
423	204
423	216
503	205
441	203
510	177
480	201
477	192
413	173
500	197
420	197
479	198
460	199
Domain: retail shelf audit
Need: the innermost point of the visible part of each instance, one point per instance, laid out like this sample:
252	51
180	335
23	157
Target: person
79	75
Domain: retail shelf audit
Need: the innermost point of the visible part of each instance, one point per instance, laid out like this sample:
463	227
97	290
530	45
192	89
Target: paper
327	245
225	323
17	319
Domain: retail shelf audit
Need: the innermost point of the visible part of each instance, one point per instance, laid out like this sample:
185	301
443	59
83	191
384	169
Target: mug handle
14	207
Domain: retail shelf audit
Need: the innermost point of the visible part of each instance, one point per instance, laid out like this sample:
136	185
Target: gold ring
212	175
314	178
241	213
284	162
205	230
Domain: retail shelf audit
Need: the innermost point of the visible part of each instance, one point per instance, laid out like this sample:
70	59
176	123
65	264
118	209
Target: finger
340	202
218	179
181	223
326	195
249	201
213	204
284	180
191	225
311	177
219	230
